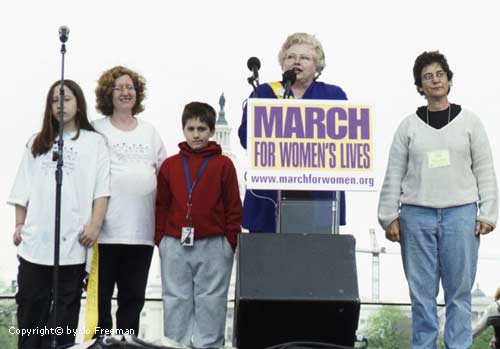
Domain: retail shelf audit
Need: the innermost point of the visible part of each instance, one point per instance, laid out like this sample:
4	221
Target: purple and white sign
309	145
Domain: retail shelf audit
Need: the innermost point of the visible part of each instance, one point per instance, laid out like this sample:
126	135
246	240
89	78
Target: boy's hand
17	234
89	235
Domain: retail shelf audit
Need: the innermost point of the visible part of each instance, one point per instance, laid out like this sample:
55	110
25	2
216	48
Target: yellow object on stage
92	308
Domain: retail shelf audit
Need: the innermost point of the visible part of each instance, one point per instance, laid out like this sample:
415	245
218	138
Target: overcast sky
195	50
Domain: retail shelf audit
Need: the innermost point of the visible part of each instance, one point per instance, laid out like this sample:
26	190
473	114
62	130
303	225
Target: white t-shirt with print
136	157
85	178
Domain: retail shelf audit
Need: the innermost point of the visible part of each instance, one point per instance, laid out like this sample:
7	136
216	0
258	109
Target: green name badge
438	158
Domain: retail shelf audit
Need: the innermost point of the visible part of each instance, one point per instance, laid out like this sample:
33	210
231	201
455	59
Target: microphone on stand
289	78
63	33
253	65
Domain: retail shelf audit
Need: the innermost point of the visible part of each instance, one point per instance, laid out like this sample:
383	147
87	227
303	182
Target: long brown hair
45	139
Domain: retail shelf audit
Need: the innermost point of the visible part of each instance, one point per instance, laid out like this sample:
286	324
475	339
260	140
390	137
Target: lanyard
190	187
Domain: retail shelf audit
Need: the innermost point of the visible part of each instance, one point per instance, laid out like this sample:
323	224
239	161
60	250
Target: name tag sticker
438	158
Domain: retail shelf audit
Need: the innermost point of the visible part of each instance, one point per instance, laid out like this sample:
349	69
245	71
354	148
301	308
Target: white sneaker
167	342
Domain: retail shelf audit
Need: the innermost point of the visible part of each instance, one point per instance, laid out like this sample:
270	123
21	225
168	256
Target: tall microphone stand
58	156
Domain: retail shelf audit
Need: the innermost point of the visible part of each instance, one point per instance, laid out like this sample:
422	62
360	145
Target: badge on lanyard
187	236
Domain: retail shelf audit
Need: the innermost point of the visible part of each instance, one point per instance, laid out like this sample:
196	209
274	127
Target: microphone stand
279	193
254	81
58	156
288	89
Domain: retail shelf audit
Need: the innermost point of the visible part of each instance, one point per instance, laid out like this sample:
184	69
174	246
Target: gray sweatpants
195	282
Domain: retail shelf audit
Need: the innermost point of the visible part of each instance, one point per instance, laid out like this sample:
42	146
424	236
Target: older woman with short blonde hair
303	54
304	39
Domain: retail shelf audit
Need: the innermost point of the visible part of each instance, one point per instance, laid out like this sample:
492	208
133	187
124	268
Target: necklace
427	114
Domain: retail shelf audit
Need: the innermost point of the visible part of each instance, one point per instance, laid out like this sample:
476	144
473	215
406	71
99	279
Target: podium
301	284
308	145
297	213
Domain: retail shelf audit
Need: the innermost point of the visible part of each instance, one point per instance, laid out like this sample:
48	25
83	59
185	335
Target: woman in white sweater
439	194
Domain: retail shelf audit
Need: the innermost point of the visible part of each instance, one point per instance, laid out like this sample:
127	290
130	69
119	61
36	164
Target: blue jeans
440	244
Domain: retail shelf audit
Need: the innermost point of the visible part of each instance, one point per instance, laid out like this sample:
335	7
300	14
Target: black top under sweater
438	119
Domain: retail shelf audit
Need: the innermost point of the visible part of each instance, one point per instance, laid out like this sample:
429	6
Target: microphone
63	33
253	65
289	78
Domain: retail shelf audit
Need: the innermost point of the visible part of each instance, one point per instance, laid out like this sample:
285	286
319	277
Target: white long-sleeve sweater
464	175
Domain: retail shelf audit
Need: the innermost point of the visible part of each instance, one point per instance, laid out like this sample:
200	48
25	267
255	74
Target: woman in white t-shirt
84	197
126	242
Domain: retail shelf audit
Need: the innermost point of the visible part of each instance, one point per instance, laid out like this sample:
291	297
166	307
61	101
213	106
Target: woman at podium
303	54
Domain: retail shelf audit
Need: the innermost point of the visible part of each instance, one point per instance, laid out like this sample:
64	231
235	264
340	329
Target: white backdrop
195	50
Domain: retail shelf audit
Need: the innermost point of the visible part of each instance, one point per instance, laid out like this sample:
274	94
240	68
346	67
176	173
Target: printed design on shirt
132	152
132	168
70	156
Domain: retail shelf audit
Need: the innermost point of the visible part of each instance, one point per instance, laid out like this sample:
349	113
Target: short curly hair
104	90
304	38
425	59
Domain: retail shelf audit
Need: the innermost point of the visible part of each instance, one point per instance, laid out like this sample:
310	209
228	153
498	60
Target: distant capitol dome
477	293
223	137
223	130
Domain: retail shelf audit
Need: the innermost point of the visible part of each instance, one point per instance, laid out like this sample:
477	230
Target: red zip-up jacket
216	205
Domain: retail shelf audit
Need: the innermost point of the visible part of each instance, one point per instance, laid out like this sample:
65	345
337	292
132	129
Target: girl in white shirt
84	198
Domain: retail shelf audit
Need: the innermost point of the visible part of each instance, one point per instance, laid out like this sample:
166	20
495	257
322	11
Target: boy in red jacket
198	218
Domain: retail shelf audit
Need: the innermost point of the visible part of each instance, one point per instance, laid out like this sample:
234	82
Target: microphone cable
308	345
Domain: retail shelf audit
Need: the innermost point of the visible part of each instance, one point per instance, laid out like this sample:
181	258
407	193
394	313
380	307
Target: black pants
127	267
34	303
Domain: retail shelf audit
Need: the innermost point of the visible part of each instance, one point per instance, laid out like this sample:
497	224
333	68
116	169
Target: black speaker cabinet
295	287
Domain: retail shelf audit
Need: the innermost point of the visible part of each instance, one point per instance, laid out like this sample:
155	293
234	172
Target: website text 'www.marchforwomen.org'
46	331
310	179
